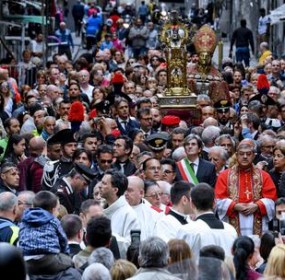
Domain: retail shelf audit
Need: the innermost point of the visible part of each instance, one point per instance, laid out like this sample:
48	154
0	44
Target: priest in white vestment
147	217
168	226
207	229
123	217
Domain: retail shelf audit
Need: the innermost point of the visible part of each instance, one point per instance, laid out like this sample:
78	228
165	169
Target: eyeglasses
155	195
106	161
154	59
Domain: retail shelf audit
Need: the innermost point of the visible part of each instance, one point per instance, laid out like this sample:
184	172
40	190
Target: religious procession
134	154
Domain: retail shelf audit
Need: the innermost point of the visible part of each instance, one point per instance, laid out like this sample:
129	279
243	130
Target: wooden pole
220	53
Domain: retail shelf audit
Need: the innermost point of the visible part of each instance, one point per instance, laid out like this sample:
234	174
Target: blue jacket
41	233
93	25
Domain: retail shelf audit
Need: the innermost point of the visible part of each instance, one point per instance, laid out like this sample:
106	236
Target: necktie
122	168
192	164
124	124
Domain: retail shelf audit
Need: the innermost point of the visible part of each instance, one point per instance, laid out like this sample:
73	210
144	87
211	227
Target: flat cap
157	141
222	104
85	172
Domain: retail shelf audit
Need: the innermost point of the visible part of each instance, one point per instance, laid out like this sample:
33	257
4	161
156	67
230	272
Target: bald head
135	190
62	24
136	182
37	144
84	77
210	121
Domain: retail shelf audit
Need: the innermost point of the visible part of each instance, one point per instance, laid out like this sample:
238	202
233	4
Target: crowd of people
99	182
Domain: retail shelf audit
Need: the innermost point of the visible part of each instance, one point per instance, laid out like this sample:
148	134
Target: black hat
264	99
63	137
34	108
222	105
52	140
85	172
157	141
104	106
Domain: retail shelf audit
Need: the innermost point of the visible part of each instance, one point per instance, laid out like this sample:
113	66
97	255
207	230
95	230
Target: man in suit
146	121
193	168
73	228
123	147
125	124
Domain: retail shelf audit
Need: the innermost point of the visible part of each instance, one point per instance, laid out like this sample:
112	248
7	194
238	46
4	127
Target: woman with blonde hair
122	269
275	268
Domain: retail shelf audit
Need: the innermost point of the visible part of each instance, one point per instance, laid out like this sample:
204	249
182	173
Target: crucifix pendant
247	193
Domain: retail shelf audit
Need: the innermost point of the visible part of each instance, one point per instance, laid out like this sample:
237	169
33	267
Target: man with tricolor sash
193	168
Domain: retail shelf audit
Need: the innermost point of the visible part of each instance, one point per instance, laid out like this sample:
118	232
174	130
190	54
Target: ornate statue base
178	101
181	106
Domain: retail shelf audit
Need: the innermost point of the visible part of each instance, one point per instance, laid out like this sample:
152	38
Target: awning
277	15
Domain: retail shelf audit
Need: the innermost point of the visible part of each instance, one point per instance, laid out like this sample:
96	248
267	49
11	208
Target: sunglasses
223	110
106	161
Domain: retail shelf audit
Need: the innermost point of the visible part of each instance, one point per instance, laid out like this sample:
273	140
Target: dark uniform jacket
54	170
67	197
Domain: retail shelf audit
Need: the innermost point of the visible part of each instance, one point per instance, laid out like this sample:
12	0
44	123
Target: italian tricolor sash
187	171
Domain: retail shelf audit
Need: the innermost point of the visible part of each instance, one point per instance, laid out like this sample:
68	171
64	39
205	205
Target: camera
97	119
278	226
135	237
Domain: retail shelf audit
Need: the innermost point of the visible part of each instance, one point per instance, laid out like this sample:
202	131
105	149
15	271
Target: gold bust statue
203	77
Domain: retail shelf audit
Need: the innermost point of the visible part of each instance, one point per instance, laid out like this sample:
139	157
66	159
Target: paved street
226	50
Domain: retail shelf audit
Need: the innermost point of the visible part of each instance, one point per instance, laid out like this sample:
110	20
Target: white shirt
262	24
88	92
195	164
